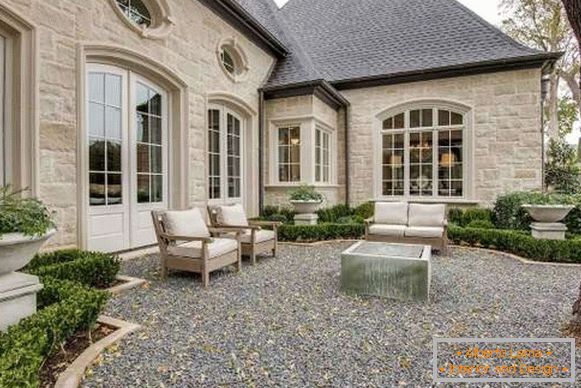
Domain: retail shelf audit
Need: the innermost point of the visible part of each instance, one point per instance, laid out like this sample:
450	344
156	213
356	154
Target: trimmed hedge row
518	243
70	307
320	232
89	268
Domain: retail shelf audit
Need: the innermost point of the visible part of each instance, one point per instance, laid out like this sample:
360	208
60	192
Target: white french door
3	131
128	153
225	156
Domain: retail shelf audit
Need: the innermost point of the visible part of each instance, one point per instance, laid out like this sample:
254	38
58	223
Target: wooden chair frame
203	265
253	248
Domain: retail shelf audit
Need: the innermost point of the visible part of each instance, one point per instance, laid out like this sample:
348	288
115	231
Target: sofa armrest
186	238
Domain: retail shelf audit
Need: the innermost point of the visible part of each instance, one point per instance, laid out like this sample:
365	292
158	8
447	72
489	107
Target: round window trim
232	60
160	14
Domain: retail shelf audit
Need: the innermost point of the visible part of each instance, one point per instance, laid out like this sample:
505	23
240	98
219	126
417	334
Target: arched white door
225	156
128	154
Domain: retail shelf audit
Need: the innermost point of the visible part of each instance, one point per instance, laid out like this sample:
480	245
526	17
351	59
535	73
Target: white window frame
276	150
4	135
308	127
467	149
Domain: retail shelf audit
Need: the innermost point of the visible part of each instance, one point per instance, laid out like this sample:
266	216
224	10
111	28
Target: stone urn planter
18	290
306	211
548	217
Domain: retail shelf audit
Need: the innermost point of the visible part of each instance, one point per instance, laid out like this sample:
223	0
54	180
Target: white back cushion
186	223
391	213
232	216
427	215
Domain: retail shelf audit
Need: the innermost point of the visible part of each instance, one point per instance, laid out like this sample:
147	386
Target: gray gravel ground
284	322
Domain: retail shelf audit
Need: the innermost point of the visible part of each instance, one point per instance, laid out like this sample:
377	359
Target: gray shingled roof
340	40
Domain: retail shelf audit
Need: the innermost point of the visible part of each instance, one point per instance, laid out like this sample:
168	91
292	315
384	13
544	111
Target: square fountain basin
396	271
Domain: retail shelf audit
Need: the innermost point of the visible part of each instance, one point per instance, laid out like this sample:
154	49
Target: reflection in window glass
105	150
289	152
214	175
411	142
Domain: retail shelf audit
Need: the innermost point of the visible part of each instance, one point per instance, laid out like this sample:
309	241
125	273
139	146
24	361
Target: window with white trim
422	154
322	156
289	154
3	133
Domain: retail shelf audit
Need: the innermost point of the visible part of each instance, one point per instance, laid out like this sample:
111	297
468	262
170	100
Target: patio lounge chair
399	222
186	244
254	240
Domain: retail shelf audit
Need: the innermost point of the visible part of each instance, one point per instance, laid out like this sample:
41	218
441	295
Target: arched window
423	153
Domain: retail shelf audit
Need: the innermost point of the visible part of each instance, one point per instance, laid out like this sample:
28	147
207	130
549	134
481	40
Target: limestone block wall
190	51
506	112
305	111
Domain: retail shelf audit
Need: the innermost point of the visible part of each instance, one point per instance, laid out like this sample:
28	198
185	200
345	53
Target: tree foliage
562	171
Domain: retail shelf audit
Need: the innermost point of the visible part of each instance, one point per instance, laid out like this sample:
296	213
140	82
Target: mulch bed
73	348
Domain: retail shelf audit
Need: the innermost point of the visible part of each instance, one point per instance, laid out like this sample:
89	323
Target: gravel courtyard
284	322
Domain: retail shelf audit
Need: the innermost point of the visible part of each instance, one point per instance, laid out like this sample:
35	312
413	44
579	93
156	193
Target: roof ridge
493	28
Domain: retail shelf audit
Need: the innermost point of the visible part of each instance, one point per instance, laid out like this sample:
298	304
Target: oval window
232	60
149	18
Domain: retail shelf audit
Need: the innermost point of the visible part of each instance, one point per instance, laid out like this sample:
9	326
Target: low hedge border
70	307
92	269
320	232
518	243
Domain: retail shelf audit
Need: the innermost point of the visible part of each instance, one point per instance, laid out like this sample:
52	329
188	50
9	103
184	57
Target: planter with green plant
25	225
305	199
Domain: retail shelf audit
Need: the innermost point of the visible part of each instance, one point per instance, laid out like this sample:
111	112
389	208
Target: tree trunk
573	8
553	107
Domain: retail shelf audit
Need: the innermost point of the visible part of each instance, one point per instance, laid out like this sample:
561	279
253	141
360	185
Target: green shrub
351	220
463	217
93	269
518	243
456	216
321	232
365	210
306	193
24	347
334	213
19	214
480	224
280	214
509	214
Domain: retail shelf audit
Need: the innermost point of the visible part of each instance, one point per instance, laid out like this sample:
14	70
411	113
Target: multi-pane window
225	175
289	154
322	156
3	135
136	11
214	153
234	157
422	154
105	141
149	145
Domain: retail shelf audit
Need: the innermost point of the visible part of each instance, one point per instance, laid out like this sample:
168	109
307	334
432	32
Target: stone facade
506	112
190	51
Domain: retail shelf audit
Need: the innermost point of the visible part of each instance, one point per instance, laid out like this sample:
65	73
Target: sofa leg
205	278
253	257
164	270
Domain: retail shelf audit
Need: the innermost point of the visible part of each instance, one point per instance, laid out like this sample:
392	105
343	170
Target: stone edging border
72	376
128	284
509	255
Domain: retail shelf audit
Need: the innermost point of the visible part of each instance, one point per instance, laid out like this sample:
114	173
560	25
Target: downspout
260	151
347	195
545	79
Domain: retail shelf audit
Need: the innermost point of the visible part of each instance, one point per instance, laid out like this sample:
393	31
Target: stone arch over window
149	18
177	112
18	113
232	59
424	151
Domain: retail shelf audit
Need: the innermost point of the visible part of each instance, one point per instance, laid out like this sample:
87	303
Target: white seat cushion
246	237
186	223
391	213
387	230
424	231
232	216
193	249
427	215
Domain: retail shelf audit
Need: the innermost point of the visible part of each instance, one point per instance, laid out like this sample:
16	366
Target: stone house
112	108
